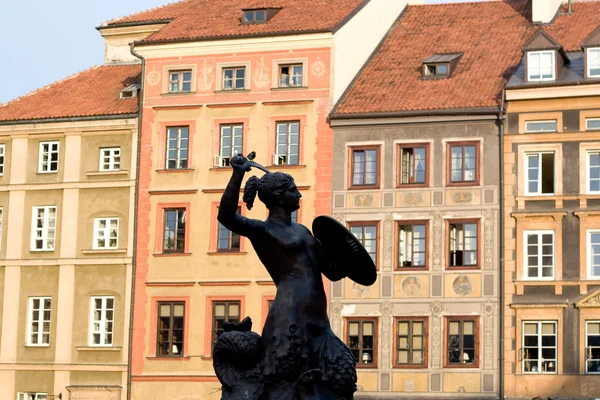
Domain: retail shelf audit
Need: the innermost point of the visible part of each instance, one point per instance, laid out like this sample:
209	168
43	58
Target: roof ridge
460	3
50	85
116	19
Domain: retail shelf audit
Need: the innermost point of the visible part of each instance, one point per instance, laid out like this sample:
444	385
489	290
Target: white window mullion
101	320
43	228
38	327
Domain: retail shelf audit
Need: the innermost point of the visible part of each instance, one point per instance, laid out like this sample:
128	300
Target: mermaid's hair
270	188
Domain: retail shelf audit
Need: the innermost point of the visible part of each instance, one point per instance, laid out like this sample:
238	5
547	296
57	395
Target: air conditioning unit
217	161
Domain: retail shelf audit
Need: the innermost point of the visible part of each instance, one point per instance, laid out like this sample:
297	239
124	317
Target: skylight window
255	16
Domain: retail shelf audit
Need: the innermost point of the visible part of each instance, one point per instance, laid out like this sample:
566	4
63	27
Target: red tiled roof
206	19
489	34
571	30
94	92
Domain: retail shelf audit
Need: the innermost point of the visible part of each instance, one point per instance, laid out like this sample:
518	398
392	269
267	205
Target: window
462	342
592	344
2	149
365	166
231	143
463	244
288	143
539	173
539	254
234	78
539	347
32	396
366	233
294	218
171	321
540	65
440	70
593	62
174	230
593	178
412	245
464	161
106	233
227	240
180	81
224	311
43	228
413	165
254	16
290	75
110	159
540	126
361	341
594	254
411	342
591	124
102	310
1	215
177	147
48	158
39	321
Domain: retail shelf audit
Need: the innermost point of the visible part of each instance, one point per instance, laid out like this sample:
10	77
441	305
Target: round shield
343	248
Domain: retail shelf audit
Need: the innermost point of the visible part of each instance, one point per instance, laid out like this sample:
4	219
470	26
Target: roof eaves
419	113
69	119
135	23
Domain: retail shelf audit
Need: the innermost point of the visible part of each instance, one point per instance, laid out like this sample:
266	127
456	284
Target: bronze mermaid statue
297	356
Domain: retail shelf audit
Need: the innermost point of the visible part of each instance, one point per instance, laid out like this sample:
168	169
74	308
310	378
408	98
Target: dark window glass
224	311
412	245
463	244
361	341
170	330
462	342
227	240
413	165
174	230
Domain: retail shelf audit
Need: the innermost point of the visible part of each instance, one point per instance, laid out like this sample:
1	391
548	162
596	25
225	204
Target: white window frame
112	165
587	347
587	120
234	78
36	396
588	183
44	230
540	359
104	233
45	168
180	80
179	148
100	326
277	160
527	123
589	66
590	255
2	156
539	177
539	233
541	54
236	131
40	321
1	225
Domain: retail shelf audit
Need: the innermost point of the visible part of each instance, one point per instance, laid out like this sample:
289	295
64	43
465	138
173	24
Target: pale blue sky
42	41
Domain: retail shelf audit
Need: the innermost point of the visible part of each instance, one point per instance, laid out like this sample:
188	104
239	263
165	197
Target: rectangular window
592	124
174	230
288	143
39	321
290	75
224	311
411	342
234	78
231	143
463	244
106	233
365	167
180	81
464	161
593	178
593	62
110	159
102	309
254	16
1	215
541	126
48	157
170	332
43	228
294	217
592	344
360	338
539	254
366	233
2	149
32	396
227	240
413	165
594	254
177	147
412	245
539	347
462	342
539	173
540	65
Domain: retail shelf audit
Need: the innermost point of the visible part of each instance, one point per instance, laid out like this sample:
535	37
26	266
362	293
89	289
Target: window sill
363	366
156	358
461	366
175	170
172	254
403	367
298	166
98	348
103	251
227	253
225	91
286	88
462	184
462	267
35	346
411	269
228	168
46	173
376	187
41	250
102	173
412	185
168	94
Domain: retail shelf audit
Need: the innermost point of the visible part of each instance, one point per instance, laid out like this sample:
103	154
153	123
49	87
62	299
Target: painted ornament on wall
317	69
463	286
153	78
261	77
360	290
411	286
207	77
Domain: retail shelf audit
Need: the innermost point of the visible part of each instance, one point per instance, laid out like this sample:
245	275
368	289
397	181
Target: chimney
544	11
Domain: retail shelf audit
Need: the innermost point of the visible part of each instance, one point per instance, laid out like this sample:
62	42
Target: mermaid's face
291	199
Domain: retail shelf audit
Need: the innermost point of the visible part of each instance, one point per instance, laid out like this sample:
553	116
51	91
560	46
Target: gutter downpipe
501	122
135	218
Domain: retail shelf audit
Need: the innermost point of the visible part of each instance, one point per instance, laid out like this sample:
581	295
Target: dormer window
440	65
129	91
540	65
593	62
258	15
